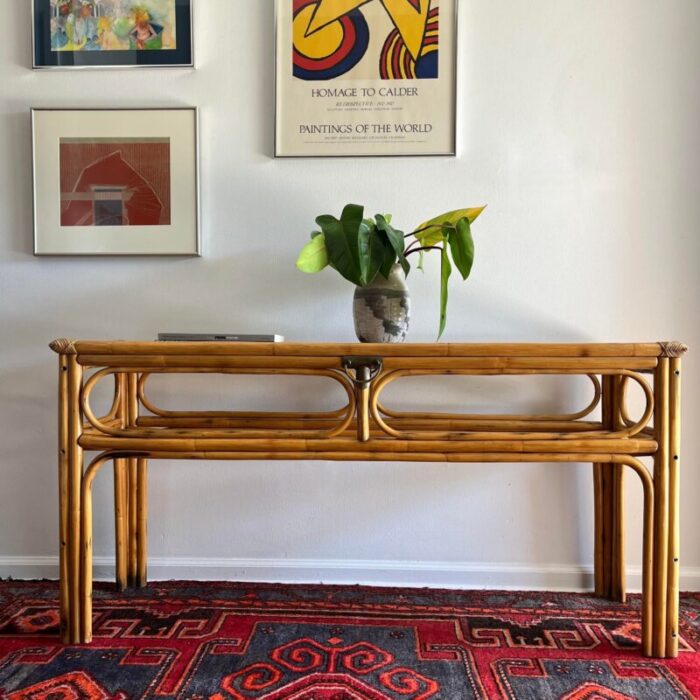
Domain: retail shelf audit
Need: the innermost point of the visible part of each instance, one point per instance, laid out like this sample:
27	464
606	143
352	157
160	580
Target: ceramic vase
382	309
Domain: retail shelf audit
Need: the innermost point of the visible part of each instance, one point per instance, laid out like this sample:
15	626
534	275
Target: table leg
121	514
608	526
133	505
647	555
618	589
85	588
673	554
608	490
86	563
63	500
661	483
603	527
131	416
141	523
73	481
598	558
132	528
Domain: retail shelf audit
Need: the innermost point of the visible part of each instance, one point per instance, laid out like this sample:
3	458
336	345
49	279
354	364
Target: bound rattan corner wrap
673	349
136	430
63	346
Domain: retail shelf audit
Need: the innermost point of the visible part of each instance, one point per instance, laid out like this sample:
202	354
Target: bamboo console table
135	431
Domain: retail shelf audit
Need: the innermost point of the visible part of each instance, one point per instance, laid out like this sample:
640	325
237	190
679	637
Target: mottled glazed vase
382	309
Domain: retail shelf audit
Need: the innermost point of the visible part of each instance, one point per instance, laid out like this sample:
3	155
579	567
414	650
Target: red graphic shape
593	691
115	184
406	681
342	52
365	658
327	686
72	686
301	656
251	679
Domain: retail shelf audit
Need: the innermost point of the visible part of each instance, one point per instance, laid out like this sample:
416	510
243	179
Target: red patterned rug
269	642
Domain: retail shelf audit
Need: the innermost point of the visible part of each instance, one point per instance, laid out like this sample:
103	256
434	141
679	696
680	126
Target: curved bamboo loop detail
117	398
347	414
86	538
597	393
98	462
163	413
116	401
647	547
85	401
624	412
388	378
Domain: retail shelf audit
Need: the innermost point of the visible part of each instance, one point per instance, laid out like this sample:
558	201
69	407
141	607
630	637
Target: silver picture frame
452	153
193	248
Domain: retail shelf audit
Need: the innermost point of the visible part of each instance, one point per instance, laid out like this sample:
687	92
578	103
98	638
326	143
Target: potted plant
374	256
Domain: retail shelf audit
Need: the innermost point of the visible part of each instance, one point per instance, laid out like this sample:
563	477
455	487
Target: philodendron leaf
342	242
316	233
351	218
445	272
371	252
313	256
396	240
431	232
462	246
389	260
433	236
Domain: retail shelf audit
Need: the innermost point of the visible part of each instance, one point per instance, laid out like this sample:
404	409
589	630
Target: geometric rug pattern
223	641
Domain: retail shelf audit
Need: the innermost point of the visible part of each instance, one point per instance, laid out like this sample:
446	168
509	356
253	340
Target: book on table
220	337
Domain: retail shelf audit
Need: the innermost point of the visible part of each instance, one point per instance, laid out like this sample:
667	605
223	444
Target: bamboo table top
291	349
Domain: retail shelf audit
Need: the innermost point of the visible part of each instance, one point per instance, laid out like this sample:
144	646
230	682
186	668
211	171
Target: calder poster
365	77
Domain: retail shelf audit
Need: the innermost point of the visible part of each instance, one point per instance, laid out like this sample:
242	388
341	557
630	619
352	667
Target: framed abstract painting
115	182
366	77
112	33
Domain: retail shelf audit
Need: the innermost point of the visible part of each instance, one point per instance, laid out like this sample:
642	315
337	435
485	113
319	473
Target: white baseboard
549	577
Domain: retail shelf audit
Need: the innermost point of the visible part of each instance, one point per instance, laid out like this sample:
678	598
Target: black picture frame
45	57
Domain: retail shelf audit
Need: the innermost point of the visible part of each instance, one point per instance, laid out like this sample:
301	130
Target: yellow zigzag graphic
409	22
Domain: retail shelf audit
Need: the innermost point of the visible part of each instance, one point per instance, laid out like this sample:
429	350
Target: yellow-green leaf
313	256
431	232
445	272
462	247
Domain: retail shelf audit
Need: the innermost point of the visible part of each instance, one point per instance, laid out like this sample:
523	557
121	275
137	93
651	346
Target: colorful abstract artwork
108	182
397	61
113	25
366	77
331	39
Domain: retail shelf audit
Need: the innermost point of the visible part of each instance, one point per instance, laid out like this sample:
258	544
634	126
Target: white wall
579	126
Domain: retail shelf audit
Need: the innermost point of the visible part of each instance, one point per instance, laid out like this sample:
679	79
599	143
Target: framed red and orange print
115	182
366	77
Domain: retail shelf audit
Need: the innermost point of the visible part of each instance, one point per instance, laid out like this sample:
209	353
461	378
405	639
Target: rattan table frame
135	431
